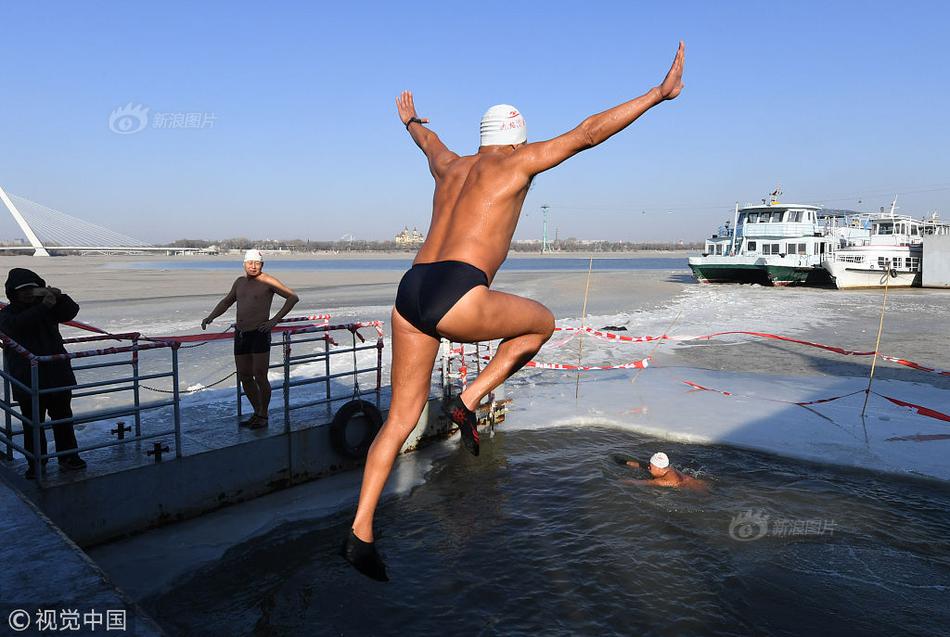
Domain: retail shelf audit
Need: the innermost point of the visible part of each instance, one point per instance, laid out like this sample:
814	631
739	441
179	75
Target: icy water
541	535
513	264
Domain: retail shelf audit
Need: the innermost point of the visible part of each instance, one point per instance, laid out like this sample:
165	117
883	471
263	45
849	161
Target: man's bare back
476	208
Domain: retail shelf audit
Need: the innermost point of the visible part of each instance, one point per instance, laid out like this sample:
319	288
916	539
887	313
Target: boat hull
729	273
846	276
755	270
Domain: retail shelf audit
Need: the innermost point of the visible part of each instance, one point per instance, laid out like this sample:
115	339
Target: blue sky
836	101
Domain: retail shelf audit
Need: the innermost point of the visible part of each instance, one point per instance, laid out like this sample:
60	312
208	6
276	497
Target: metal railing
132	382
321	334
124	383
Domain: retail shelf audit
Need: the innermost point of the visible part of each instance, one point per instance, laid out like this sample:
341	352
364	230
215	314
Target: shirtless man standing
475	209
663	475
254	293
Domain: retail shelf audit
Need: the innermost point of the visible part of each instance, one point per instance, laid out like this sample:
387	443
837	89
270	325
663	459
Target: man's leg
483	315
413	358
260	362
244	363
59	407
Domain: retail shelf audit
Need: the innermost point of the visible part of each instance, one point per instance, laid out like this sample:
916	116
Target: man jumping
446	293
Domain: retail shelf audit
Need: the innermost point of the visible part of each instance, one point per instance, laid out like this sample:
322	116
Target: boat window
885	228
802	248
776	217
792	249
750	246
753	217
913	231
896	262
882	262
913	264
795	216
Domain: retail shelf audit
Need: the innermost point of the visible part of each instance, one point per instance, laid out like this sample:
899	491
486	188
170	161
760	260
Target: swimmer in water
663	475
447	292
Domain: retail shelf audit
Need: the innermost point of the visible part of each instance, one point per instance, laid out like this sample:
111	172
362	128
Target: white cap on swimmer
253	255
502	124
660	460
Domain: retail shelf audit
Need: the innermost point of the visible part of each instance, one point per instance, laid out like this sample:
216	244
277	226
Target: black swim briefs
429	290
251	342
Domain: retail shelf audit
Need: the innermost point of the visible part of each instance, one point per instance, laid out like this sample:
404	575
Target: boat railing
325	350
28	396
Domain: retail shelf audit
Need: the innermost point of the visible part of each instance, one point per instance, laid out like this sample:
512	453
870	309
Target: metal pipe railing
132	383
291	338
37	426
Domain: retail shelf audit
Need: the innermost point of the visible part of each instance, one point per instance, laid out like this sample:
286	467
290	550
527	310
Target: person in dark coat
32	320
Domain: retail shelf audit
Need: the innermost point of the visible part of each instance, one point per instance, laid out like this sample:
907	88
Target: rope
877	343
188	393
580	343
658	343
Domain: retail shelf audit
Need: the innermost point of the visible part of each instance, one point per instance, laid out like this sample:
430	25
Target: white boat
775	244
892	255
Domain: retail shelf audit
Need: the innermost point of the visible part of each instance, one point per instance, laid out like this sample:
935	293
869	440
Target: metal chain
193	391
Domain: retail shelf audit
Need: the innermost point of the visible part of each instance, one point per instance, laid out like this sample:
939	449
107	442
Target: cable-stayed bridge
47	229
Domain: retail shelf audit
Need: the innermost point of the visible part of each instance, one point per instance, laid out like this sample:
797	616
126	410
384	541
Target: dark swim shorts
429	290
251	342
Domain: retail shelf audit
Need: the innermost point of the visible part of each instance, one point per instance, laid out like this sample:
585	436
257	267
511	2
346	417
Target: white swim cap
502	124
660	460
253	255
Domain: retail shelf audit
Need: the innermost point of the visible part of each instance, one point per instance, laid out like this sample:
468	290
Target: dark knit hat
21	277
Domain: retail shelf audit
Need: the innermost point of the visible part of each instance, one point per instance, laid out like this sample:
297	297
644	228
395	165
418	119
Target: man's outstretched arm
438	154
541	156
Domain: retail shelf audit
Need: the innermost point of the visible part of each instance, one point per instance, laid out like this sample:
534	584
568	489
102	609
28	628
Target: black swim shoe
364	558
465	418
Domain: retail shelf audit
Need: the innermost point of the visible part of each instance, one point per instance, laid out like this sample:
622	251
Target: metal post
326	352
39	468
8	423
177	400
237	390
135	386
379	369
286	392
445	351
286	387
735	230
544	231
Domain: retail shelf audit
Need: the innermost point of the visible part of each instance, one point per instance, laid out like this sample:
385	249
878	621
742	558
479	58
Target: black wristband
411	120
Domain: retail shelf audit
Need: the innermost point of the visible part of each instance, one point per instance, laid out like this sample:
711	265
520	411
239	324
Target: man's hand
407	108
673	82
205	321
49	299
267	326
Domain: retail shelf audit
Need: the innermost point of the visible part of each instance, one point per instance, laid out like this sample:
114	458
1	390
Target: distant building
409	237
